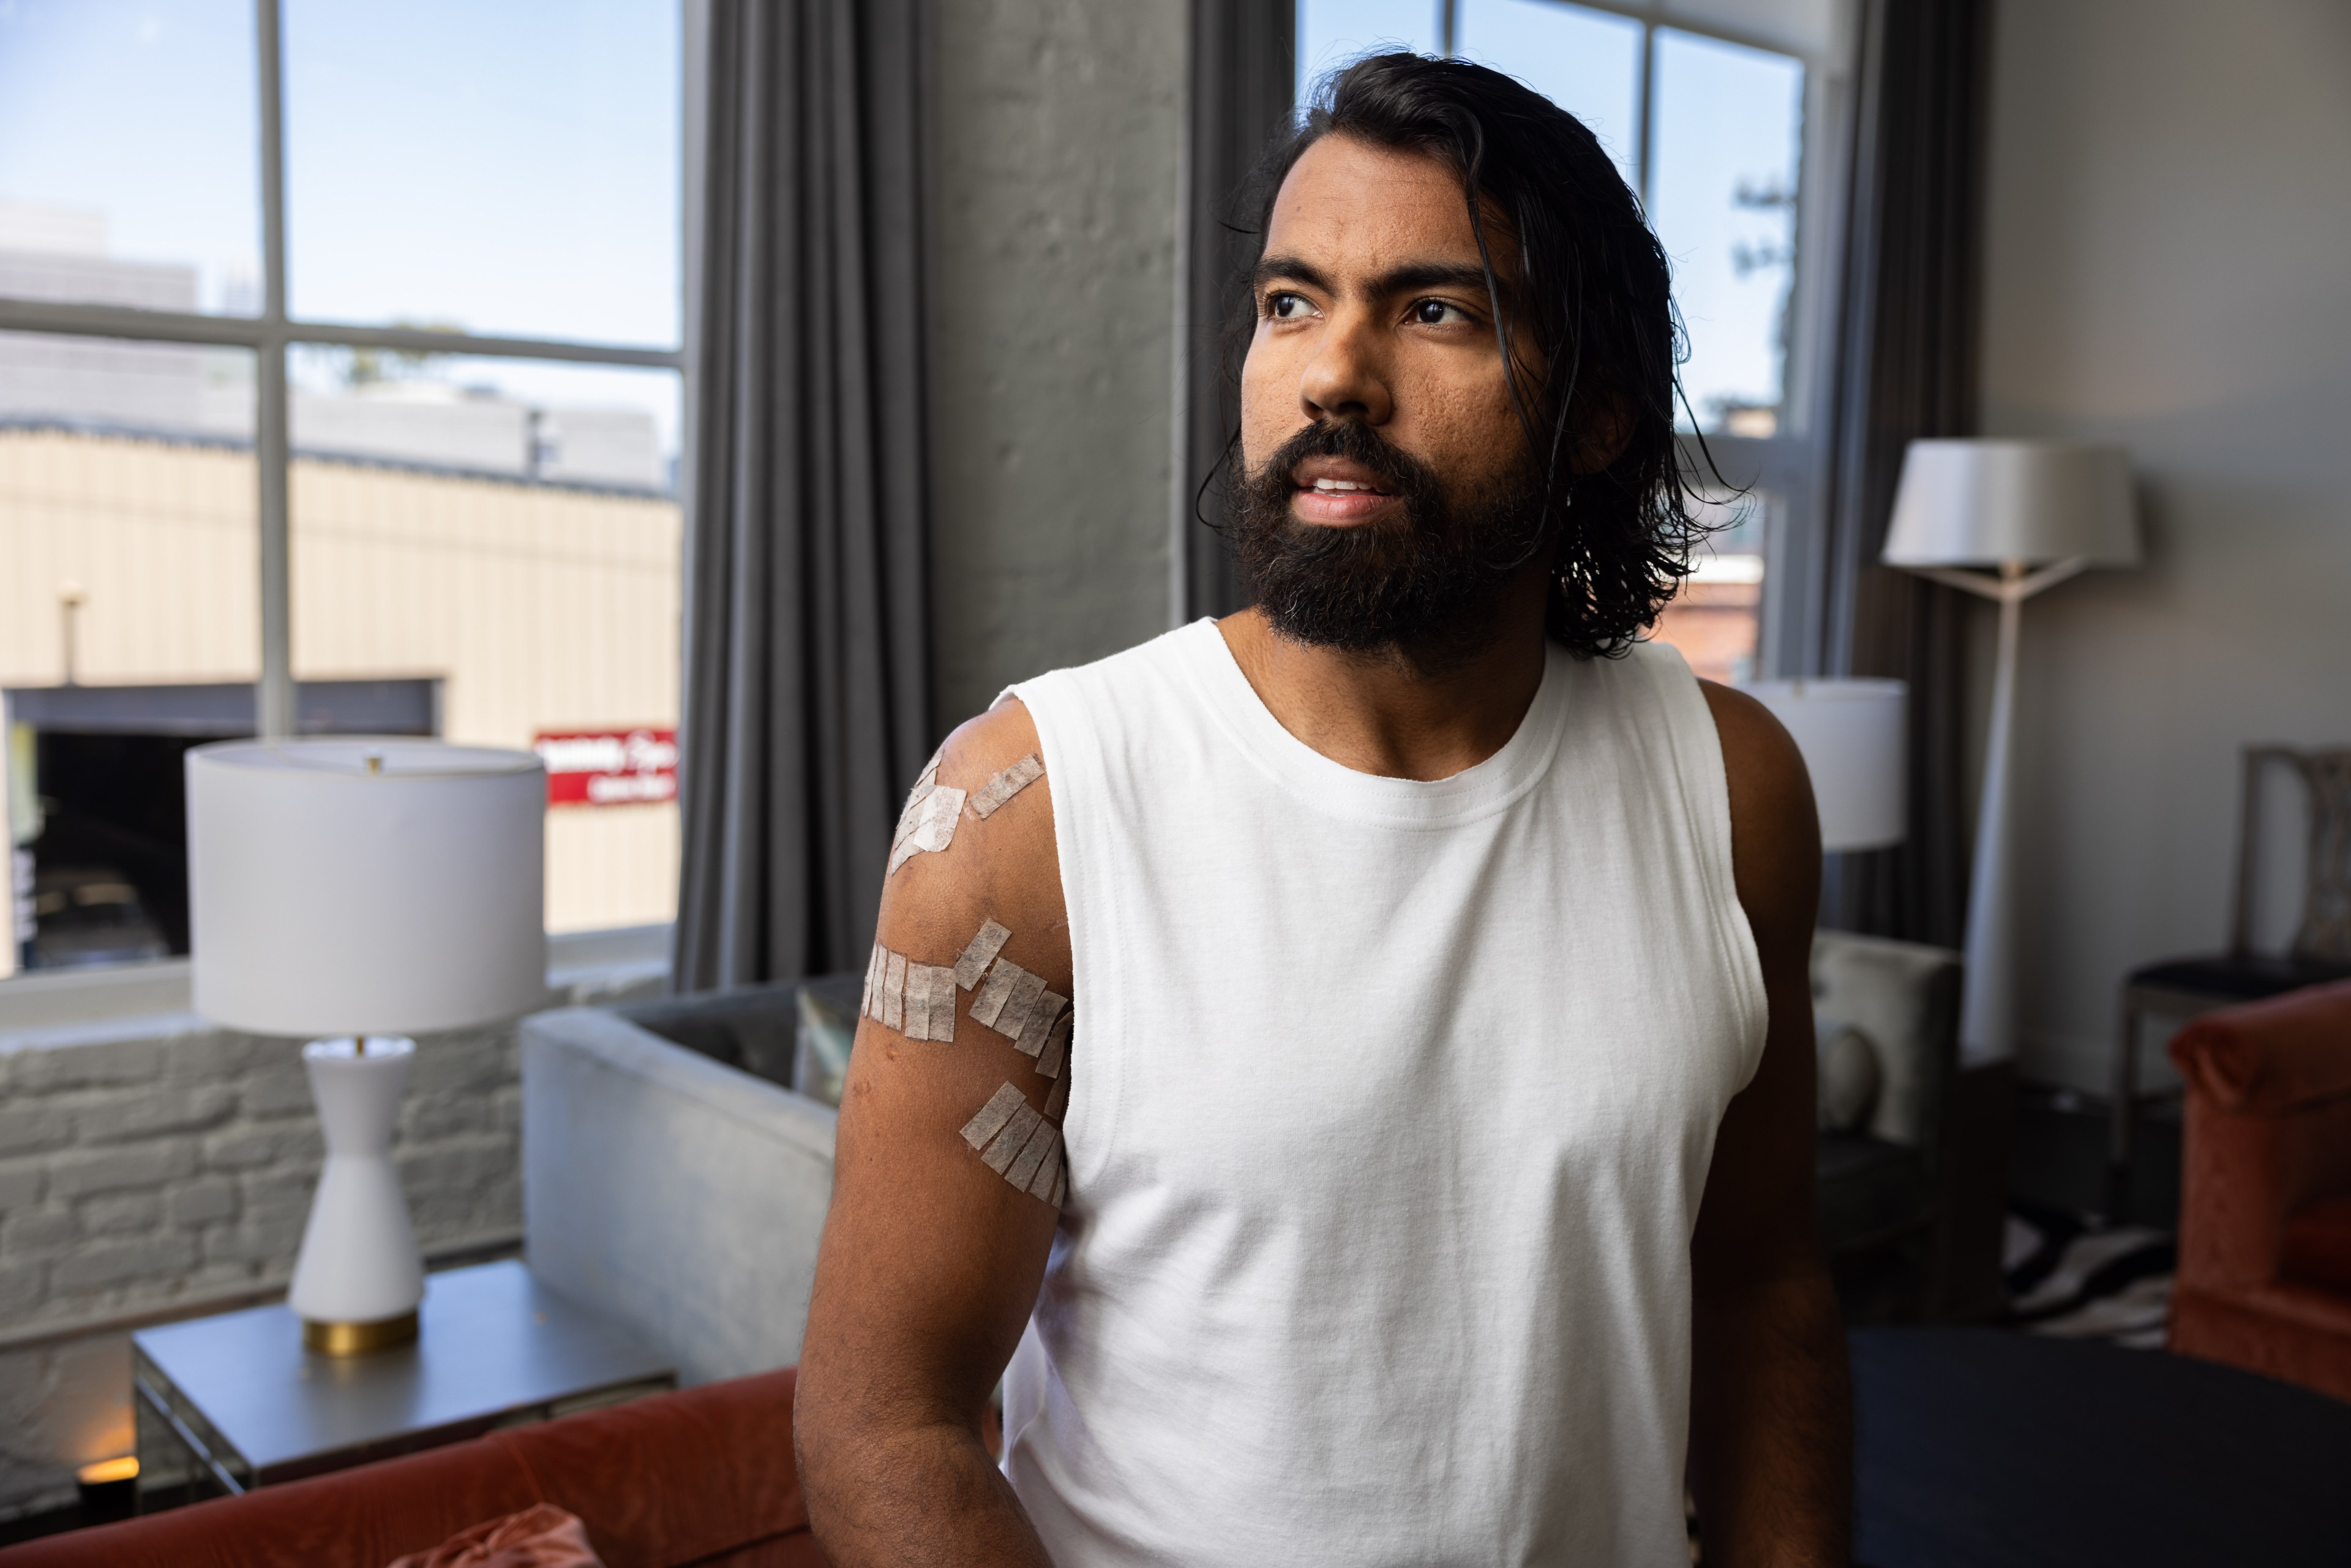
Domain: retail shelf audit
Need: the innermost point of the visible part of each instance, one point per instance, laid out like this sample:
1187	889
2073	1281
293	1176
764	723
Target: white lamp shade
1982	502
1851	734
328	899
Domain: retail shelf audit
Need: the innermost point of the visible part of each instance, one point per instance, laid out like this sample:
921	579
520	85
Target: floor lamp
2005	520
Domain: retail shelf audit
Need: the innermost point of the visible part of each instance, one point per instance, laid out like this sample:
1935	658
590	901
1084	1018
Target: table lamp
2005	520
362	889
1851	734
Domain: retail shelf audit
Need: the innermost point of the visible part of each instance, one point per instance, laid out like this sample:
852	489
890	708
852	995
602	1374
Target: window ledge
88	1006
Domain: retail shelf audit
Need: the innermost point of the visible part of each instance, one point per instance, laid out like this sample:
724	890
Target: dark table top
494	1346
1982	1448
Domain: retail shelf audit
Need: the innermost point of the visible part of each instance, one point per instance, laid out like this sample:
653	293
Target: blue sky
1726	117
513	167
504	167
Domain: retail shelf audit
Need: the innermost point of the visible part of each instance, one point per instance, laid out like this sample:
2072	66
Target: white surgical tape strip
1041	1146
1019	1144
1042	1019
993	1116
979	952
1057	1041
912	812
940	990
1005	785
989	1006
915	1021
1059	1100
894	993
934	828
875	965
1014	1017
1049	1171
1013	1139
1060	1182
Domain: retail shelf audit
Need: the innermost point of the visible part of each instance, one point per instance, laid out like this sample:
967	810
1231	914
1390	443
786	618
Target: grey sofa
673	1177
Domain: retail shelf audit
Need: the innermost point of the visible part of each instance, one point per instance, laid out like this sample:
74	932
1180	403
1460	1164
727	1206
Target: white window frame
273	333
1788	467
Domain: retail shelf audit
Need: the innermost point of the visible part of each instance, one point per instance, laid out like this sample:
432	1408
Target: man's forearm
1772	1427
916	1496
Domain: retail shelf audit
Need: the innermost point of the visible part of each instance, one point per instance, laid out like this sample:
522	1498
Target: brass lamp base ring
357	1339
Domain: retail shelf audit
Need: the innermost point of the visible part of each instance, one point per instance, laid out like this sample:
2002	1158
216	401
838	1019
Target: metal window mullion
274	703
1646	110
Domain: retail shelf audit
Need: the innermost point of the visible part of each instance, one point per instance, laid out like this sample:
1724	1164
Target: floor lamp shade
1987	503
2039	512
1851	734
365	886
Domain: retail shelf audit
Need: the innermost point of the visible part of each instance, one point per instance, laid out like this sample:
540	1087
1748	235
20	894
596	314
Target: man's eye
1286	306
1438	313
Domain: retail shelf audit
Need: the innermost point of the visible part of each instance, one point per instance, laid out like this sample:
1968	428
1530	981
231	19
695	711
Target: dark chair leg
2125	1100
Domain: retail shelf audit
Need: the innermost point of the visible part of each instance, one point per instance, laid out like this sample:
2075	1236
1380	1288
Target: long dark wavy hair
1590	288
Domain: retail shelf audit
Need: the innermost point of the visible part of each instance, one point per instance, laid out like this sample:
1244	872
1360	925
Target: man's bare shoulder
1774	830
1001	861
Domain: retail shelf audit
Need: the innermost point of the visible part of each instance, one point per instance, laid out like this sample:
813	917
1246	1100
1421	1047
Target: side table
225	1403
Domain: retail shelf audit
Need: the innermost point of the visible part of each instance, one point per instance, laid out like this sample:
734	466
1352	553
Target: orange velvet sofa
2265	1279
702	1476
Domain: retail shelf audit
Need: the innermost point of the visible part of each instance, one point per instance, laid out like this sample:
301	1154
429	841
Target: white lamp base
359	1280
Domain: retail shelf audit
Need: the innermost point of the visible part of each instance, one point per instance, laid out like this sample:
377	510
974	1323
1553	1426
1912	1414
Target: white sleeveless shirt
1390	1104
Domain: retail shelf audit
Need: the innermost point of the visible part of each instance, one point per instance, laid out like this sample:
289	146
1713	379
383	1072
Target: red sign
609	767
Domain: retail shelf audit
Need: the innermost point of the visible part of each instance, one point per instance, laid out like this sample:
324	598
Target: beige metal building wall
539	606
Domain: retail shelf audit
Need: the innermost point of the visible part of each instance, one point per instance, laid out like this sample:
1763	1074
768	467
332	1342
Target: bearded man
1363	1086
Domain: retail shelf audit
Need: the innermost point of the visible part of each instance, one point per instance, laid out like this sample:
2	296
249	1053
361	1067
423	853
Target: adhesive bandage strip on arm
1017	1143
933	829
987	1007
1005	785
1048	1012
993	1116
979	952
1049	1171
1057	1041
942	993
1057	1101
894	993
1044	1141
1014	1017
1013	1139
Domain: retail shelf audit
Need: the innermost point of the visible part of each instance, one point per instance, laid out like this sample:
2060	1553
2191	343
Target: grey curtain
1239	100
1907	366
807	687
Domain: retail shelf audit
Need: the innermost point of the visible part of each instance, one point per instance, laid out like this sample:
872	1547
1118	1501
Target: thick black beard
1422	584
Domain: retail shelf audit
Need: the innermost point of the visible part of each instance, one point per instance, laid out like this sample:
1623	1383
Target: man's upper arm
1756	1222
931	1258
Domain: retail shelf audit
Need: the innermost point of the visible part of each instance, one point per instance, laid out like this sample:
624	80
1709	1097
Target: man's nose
1346	378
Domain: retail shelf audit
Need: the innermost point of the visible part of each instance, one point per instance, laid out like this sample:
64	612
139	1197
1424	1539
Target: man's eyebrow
1400	280
1291	267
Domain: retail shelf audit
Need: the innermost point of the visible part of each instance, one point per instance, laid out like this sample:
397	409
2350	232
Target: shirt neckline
1333	787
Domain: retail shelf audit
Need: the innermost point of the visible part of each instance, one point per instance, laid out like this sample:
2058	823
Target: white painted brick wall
149	1165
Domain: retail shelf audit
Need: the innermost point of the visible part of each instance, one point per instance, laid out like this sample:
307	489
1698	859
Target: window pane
1729	123
1717	618
128	162
1587	62
508	530
508	169
1332	33
128	628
